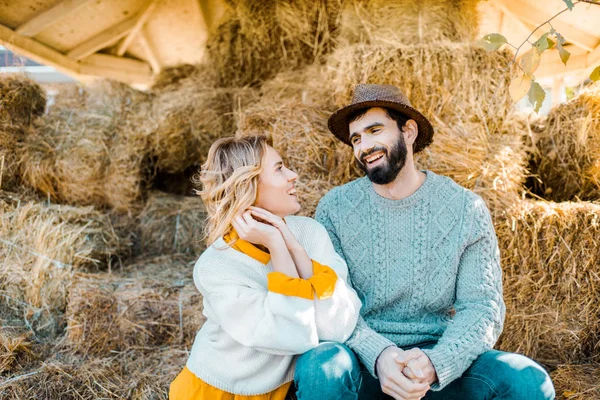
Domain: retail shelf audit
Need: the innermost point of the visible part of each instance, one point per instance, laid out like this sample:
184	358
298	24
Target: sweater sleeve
364	341
336	313
479	304
256	317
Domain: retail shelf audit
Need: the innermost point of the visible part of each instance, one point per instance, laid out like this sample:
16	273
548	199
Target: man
423	256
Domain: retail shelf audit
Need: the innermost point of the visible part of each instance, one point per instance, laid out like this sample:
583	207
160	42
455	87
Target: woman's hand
269	218
256	232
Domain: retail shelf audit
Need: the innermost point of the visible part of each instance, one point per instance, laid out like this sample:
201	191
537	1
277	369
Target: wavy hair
229	181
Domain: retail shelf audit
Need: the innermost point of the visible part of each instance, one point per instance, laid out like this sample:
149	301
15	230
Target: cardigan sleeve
256	317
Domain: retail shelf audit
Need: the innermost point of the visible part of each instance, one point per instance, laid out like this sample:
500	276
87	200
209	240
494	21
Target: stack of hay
87	150
21	101
566	156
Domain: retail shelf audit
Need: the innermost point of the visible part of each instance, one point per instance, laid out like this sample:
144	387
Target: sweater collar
246	247
414	198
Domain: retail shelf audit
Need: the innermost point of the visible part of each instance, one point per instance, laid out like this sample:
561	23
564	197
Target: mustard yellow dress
188	386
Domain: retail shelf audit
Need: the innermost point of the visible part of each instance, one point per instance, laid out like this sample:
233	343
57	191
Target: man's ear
410	130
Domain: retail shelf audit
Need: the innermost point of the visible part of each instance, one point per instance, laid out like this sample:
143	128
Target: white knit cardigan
251	335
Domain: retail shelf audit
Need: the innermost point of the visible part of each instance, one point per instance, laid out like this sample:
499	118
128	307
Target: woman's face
276	186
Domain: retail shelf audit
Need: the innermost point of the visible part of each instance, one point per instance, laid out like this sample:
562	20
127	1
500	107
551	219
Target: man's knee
329	368
516	376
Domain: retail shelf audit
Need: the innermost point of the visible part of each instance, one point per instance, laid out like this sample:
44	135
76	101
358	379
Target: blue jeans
332	372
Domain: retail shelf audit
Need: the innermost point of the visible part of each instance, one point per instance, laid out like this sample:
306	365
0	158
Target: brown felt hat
385	96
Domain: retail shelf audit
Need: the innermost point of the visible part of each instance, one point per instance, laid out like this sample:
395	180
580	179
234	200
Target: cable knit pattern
248	342
427	268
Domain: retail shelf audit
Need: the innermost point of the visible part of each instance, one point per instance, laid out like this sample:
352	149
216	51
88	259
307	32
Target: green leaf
595	75
536	95
550	43
569	4
492	41
543	43
531	61
561	39
519	87
564	54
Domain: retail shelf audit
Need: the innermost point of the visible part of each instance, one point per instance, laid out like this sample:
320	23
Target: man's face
378	145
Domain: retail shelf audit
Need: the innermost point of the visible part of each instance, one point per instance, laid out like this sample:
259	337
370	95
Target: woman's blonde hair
229	181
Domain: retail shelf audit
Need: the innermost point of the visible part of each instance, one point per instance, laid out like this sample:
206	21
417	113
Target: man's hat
385	96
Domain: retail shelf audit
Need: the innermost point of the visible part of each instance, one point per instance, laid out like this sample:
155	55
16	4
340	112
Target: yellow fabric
323	280
247	247
188	386
279	282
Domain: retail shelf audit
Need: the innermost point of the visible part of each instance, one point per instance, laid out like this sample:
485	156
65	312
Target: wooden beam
103	39
37	51
535	16
122	63
551	64
150	55
47	17
142	16
129	77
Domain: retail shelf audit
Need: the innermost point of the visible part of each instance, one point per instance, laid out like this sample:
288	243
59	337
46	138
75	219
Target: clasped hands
259	226
405	375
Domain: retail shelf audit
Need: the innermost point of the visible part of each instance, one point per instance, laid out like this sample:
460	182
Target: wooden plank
126	64
37	51
150	55
44	19
125	76
102	40
142	16
535	16
581	64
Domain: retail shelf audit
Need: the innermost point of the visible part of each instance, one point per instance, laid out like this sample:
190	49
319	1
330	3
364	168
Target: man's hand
393	382
417	366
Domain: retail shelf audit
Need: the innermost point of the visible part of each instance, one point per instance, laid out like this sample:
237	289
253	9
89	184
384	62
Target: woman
272	284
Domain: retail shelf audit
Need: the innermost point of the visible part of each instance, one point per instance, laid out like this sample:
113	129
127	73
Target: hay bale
258	39
408	22
15	349
135	374
41	246
171	224
463	90
150	307
577	382
567	150
550	254
21	100
188	117
293	109
87	150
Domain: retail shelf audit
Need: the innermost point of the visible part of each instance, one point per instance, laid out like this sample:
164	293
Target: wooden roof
131	40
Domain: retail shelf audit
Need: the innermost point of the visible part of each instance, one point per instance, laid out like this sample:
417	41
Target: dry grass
567	150
171	224
577	382
153	304
259	39
87	150
463	91
550	254
15	349
188	115
136	374
408	21
21	100
40	247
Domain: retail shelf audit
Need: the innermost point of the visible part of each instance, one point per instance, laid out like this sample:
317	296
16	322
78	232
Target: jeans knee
327	371
522	378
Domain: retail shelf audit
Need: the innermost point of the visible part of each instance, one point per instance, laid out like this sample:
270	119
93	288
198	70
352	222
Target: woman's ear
410	130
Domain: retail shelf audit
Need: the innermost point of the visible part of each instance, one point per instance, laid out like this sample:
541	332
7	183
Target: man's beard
391	165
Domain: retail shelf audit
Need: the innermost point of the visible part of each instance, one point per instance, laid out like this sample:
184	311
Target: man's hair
393	114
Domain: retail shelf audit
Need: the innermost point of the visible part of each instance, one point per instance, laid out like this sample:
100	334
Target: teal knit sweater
427	268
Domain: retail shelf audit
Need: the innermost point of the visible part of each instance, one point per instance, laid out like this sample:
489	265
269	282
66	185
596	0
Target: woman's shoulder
306	227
